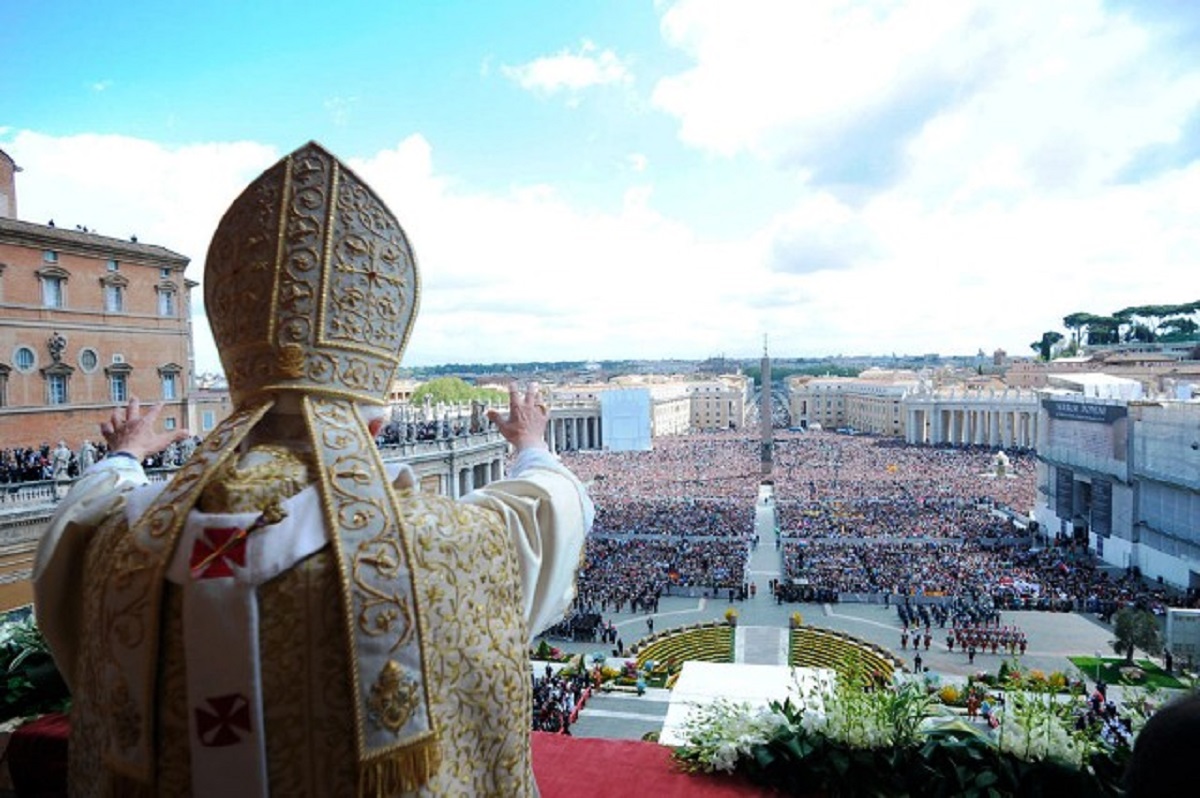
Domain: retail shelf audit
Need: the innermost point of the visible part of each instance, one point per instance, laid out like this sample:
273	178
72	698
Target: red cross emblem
215	550
218	724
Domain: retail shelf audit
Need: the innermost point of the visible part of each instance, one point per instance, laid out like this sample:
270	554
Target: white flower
725	757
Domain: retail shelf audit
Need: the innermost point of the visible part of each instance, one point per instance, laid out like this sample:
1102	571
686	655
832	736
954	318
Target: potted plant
731	616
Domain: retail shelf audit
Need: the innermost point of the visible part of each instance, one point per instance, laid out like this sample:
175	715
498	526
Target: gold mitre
310	284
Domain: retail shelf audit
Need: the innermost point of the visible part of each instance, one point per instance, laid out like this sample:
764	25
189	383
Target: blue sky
654	179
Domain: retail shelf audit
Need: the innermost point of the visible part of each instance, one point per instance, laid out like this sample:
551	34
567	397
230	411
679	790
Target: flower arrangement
797	620
950	695
724	732
731	616
860	738
548	653
30	683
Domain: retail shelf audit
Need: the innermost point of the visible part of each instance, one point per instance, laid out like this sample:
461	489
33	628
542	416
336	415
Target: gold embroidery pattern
476	633
129	602
465	559
380	601
258	487
338	275
394	697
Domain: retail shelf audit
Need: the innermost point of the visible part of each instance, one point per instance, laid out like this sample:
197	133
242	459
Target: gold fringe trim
402	770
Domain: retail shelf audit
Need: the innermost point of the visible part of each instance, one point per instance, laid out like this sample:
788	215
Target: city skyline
657	179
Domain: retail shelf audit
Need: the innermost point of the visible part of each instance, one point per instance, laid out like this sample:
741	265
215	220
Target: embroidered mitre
310	284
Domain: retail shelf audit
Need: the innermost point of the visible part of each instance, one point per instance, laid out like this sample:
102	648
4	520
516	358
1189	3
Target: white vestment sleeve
58	569
548	513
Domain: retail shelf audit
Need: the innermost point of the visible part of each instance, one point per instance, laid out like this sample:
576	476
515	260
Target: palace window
54	285
4	370
118	388
114	291
114	299
166	301
169	378
56	389
58	373
118	381
24	359
88	360
53	295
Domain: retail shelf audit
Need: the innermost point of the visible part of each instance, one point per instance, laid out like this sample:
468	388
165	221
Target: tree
1045	345
1135	629
1075	322
1179	328
1104	330
452	390
1124	319
1140	333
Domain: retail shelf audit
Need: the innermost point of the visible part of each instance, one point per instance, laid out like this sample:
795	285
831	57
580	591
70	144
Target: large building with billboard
1123	476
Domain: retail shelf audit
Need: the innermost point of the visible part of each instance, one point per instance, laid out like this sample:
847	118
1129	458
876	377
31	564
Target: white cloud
773	73
966	173
1069	92
511	276
951	181
570	71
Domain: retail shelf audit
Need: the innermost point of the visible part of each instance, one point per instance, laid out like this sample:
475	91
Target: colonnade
968	425
477	475
573	432
453	467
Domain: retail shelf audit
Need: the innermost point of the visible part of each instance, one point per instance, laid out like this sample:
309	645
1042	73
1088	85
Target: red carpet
576	767
566	767
37	757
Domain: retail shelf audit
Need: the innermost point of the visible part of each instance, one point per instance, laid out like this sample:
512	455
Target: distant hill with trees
1134	324
783	372
452	390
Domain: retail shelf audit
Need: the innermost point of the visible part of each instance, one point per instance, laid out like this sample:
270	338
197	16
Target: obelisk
764	412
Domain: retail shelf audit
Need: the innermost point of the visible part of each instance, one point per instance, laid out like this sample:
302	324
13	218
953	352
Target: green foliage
1104	330
1154	677
1133	629
1179	328
1140	323
1045	345
779	373
864	738
453	390
954	760
31	682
